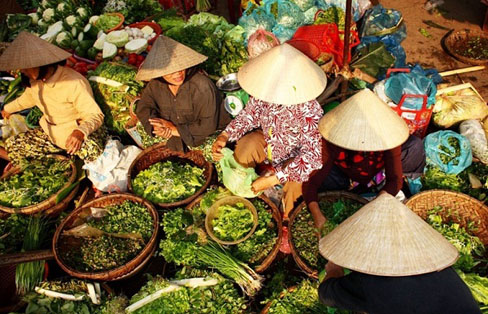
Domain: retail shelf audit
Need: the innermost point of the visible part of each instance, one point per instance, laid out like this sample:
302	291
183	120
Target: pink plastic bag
261	41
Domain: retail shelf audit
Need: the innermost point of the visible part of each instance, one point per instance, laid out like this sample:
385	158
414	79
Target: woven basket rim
208	171
268	260
313	273
123	270
452	37
47	203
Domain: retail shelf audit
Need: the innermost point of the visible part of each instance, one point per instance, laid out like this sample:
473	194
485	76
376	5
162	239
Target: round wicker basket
327	196
49	205
159	152
468	209
118	273
276	217
457	39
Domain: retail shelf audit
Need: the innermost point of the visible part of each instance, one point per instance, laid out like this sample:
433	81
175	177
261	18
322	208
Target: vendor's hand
162	132
217	146
6	114
162	123
263	183
318	217
333	271
74	142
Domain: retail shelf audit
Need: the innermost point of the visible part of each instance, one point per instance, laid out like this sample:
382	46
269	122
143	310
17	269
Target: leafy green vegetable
478	286
305	235
169	19
233	54
115	101
450	153
33	117
101	253
232	222
12	231
148	140
303	299
168	181
38	181
133	10
107	21
220	298
333	14
470	247
373	59
17	23
128	217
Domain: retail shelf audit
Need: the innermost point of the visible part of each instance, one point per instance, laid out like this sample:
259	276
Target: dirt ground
465	14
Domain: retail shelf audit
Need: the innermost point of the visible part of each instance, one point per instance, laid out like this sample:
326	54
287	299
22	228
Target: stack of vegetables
115	87
11	88
110	238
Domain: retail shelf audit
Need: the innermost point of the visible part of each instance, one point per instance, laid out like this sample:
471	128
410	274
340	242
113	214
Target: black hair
43	70
188	74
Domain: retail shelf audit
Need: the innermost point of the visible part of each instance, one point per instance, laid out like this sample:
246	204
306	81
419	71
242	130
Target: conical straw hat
168	56
364	122
385	238
282	75
29	51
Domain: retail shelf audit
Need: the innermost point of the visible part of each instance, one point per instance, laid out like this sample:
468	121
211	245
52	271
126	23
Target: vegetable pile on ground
192	291
168	182
12	231
305	235
38	181
186	244
115	87
232	222
110	238
257	247
302	298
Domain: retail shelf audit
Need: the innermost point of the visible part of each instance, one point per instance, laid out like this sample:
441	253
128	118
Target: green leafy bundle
450	153
470	248
38	181
12	231
232	222
479	288
220	298
303	298
373	59
234	53
169	19
115	101
168	181
133	10
128	217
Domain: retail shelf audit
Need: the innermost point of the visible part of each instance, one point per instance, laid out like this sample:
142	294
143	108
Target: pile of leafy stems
28	275
127	218
471	249
220	298
12	231
186	244
37	181
232	222
168	181
449	154
305	235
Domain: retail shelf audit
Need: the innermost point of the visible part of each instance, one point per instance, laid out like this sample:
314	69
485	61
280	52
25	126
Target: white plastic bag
13	126
108	172
474	132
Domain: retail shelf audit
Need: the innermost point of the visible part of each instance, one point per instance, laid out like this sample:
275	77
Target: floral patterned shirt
289	131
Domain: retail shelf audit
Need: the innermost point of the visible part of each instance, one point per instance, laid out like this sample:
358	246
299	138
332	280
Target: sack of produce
261	41
449	151
108	172
235	177
473	131
457	104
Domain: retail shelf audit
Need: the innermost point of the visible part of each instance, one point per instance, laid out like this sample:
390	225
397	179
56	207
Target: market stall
148	230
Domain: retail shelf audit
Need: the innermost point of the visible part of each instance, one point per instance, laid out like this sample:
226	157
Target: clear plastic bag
235	177
441	151
459	105
473	131
304	5
261	41
13	126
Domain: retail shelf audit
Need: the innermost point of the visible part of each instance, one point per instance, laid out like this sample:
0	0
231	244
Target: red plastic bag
261	41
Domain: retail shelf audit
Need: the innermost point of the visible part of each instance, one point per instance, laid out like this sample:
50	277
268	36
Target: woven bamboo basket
159	152
455	40
327	196
49	205
277	218
467	209
77	217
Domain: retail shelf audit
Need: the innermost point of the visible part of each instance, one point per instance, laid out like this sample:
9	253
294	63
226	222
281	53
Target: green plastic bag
237	178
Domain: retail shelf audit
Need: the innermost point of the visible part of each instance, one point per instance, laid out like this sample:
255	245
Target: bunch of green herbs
479	288
168	182
232	222
38	180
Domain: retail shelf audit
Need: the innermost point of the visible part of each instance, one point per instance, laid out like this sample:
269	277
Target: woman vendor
279	123
399	264
71	118
178	104
363	136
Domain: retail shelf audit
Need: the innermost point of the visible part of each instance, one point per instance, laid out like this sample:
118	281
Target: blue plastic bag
254	18
283	33
286	13
437	144
410	83
392	45
433	74
379	22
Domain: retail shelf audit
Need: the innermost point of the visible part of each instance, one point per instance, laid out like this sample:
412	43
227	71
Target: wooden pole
463	70
24	257
347	35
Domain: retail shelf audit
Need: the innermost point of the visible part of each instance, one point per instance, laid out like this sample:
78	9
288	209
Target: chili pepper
14	83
